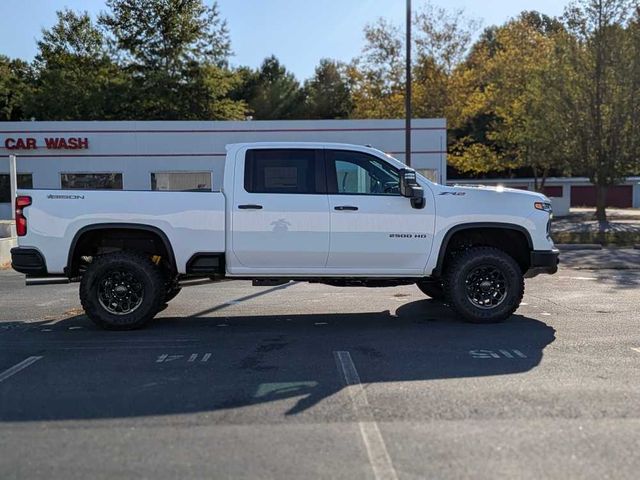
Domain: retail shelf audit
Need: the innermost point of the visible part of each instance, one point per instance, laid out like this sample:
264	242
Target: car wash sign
48	143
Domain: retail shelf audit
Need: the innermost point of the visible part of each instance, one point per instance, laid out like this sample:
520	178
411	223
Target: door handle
250	207
345	207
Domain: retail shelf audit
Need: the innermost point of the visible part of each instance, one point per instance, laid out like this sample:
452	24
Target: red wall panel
554	191
620	196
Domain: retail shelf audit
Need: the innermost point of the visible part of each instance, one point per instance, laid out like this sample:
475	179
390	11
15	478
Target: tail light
21	221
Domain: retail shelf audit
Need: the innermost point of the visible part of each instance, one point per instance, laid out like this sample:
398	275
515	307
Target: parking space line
373	441
53	322
18	367
635	349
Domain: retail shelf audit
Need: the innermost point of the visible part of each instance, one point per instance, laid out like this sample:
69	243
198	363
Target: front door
280	212
373	228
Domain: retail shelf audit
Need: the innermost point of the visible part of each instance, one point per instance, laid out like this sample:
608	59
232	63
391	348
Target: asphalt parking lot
312	381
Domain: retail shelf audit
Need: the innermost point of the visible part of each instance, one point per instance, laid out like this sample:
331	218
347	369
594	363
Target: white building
567	192
183	155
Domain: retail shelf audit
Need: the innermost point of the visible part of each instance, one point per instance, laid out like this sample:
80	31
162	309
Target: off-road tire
431	289
457	281
145	272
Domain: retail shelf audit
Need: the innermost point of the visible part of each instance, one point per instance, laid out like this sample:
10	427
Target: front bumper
28	260
543	261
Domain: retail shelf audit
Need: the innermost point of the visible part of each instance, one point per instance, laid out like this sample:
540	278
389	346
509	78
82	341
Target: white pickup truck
344	215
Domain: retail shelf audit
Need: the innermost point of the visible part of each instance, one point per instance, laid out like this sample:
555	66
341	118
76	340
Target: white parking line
373	441
53	322
635	349
18	367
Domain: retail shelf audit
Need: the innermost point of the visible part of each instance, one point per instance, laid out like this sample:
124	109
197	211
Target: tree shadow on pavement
253	360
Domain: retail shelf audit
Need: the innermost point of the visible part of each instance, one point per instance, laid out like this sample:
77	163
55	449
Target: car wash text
55	143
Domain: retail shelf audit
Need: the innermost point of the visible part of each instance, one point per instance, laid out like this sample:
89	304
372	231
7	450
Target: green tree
75	77
167	34
173	50
328	94
603	56
377	75
272	92
207	95
441	40
15	83
509	111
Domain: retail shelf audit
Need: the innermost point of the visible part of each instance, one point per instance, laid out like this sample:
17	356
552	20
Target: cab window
358	173
284	171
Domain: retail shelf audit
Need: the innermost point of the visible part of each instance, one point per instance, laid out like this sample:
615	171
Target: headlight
544	206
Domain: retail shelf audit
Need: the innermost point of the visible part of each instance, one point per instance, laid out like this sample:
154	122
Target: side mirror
410	188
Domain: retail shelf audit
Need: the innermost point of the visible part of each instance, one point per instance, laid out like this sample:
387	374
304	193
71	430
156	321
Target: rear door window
299	171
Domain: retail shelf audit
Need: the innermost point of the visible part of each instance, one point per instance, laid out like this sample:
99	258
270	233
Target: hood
500	190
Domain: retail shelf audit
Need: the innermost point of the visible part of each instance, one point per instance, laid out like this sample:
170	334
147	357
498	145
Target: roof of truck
301	144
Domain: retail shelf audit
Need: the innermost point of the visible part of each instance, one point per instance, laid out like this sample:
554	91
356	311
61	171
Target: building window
281	171
181	181
429	173
25	180
91	181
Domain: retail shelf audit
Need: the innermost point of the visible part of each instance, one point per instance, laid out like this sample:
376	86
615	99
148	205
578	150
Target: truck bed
192	221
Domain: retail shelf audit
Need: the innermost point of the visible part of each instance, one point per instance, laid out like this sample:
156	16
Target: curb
579	246
6	244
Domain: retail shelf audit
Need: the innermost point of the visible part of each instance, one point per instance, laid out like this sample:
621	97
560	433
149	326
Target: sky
298	32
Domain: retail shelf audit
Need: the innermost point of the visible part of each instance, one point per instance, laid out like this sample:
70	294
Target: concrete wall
7	228
562	205
6	244
5	209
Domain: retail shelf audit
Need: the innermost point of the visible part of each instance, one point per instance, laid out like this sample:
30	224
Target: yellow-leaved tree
507	112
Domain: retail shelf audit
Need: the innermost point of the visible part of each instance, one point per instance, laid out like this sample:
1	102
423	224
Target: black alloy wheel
484	285
122	290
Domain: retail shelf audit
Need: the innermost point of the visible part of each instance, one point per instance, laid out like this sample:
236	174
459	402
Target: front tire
122	291
484	285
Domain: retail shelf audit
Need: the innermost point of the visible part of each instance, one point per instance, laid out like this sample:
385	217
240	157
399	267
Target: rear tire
122	291
431	289
484	285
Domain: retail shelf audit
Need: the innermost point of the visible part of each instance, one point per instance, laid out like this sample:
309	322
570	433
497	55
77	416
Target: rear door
280	211
373	229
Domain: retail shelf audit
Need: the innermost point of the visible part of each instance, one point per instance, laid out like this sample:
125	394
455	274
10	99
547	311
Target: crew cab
339	214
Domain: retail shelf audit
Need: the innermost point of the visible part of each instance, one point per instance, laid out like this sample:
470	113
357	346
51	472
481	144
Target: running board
29	281
269	282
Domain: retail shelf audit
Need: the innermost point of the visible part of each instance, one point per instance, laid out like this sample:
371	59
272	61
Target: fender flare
121	226
470	226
